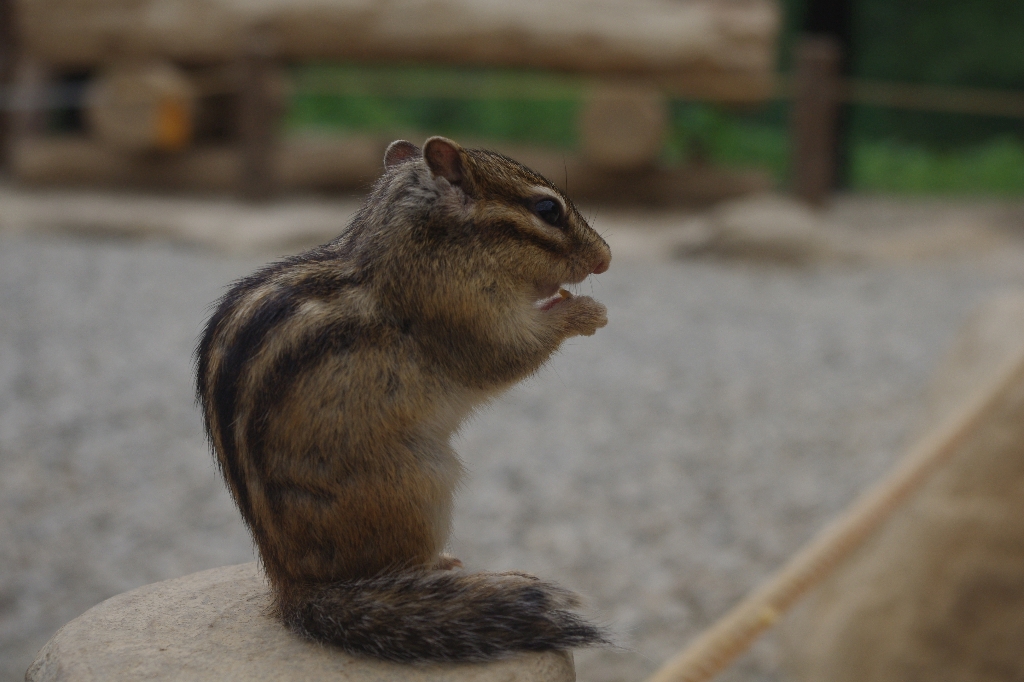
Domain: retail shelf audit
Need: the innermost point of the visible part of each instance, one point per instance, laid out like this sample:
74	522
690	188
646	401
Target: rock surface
216	625
766	228
702	47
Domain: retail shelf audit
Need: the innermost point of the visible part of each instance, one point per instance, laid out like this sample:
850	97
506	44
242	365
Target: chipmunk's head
526	227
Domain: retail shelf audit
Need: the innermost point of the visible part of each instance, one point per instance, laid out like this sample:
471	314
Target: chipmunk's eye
549	211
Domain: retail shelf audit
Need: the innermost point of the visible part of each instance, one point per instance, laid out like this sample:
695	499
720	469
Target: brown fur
331	384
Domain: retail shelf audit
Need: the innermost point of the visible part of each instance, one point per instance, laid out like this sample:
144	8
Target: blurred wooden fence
626	82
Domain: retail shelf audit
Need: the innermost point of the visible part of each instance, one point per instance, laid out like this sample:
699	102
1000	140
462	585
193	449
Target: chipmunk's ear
445	159
398	152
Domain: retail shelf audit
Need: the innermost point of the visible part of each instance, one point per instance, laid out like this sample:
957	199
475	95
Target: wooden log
260	105
142	107
28	100
622	126
321	162
816	91
700	48
353	163
79	161
300	163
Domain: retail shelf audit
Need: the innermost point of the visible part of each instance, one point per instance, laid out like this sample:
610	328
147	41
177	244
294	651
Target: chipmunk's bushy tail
440	616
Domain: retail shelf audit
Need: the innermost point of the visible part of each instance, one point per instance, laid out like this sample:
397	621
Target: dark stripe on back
224	390
281	494
204	388
293	364
225	307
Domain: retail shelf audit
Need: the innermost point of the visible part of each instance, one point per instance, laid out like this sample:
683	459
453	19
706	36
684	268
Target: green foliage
945	42
470	104
996	167
549	123
940	42
749	139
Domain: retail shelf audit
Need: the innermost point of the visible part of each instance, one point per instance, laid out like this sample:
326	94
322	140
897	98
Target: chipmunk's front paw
446	562
583	315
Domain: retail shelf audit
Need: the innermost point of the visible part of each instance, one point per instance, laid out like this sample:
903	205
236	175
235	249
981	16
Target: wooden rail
940	98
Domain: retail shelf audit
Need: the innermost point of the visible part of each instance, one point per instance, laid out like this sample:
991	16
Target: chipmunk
332	382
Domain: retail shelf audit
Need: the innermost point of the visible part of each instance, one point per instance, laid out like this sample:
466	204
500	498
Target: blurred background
928	101
806	200
944	139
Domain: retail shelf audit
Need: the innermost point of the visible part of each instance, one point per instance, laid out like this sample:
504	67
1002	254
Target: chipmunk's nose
604	255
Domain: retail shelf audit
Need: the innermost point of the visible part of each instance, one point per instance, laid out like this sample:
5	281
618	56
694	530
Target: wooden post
259	111
28	100
8	62
816	90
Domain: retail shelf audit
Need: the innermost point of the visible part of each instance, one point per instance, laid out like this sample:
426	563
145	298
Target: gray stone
216	625
764	227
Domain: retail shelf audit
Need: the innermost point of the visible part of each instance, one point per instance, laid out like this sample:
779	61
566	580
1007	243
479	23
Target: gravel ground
661	467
